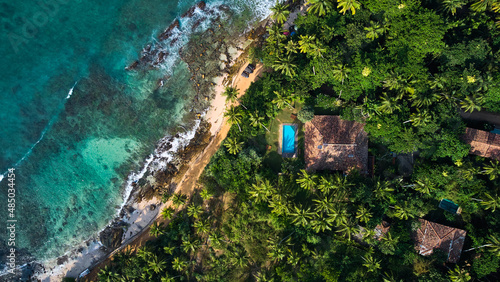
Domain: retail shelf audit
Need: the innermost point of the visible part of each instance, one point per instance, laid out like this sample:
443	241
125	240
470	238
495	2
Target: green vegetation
404	68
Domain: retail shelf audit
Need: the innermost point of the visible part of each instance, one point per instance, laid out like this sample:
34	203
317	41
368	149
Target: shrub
306	114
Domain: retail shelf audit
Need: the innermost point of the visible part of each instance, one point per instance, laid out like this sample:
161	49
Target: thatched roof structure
431	236
335	144
483	143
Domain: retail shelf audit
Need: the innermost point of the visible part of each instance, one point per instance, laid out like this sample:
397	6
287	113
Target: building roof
483	143
432	236
335	144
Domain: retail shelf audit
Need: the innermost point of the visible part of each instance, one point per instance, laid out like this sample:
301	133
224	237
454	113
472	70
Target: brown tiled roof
337	131
335	144
483	143
432	236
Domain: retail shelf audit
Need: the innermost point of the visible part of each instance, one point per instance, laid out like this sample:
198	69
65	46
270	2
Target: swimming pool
288	139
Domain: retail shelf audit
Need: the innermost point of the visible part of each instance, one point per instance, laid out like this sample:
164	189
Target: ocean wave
46	129
160	158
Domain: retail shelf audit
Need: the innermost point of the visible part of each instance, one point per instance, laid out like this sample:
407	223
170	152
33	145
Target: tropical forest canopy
407	69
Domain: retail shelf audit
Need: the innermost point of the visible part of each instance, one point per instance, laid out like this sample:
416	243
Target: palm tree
347	229
281	101
233	116
205	194
388	105
321	224
494	245
202	226
107	275
261	191
424	186
306	181
451	6
279	205
319	7
169	249
156	265
179	199
340	72
469	104
280	12
179	265
285	65
459	275
337	216
233	146
374	30
325	185
256	120
382	190
194	210
231	94
302	216
421	118
156	229
368	108
348	5
322	205
291	47
422	99
482	5
306	43
493	170
403	213
215	239
167	213
388	244
189	245
370	263
275	252
363	214
491	202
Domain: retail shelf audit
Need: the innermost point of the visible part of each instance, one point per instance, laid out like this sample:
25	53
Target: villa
483	143
335	144
431	236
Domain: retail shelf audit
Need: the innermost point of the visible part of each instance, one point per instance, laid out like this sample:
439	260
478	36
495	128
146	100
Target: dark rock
202	5
168	32
152	207
111	237
133	66
189	13
62	260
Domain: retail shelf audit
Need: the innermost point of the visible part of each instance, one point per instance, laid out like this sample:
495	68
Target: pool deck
280	140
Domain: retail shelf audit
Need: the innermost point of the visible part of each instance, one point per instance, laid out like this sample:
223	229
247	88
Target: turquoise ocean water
74	123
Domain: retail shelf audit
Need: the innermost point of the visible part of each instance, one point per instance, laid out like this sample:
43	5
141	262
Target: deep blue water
75	124
288	139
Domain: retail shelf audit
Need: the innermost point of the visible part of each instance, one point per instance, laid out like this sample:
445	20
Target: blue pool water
288	139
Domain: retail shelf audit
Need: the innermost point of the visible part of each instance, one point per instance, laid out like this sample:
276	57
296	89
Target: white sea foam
45	130
71	91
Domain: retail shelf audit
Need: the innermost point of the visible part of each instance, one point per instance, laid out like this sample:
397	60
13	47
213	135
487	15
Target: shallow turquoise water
73	150
288	139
